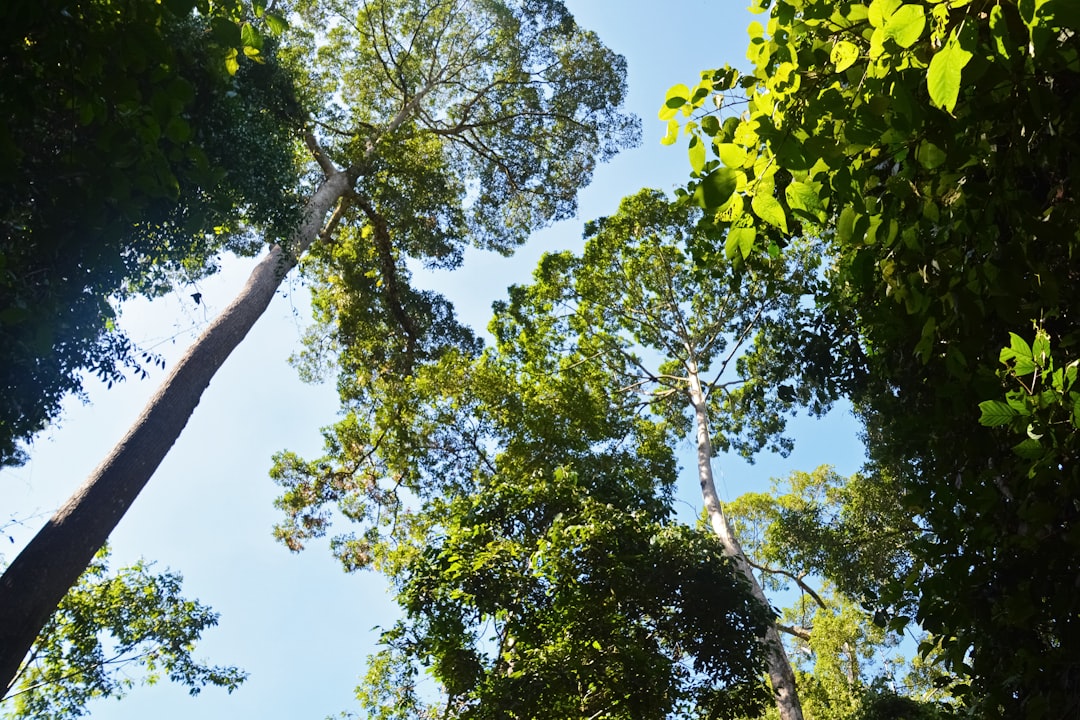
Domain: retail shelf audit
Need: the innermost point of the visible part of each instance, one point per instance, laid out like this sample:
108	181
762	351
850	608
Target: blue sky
297	623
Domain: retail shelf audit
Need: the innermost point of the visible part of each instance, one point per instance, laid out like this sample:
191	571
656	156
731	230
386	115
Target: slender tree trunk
781	675
37	580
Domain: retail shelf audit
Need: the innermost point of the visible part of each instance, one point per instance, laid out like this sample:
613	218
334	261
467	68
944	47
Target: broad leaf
770	210
944	74
716	188
995	413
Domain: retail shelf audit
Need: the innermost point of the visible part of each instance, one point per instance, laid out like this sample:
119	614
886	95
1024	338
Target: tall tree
434	125
539	570
128	156
879	127
694	348
837	542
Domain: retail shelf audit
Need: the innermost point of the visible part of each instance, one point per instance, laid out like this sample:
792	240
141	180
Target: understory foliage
108	625
931	148
131	156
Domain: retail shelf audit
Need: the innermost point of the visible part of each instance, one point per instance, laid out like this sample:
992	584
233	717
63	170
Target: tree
542	600
838	541
129	155
148	624
441	124
878	128
634	291
538	568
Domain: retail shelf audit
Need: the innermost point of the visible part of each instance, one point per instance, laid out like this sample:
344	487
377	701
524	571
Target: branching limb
794	578
320	155
795	630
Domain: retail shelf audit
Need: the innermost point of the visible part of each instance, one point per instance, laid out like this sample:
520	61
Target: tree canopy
521	508
130	158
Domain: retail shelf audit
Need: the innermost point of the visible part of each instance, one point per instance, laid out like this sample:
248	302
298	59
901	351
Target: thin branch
795	578
735	347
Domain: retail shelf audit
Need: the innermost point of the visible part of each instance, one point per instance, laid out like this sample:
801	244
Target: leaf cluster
105	625
130	158
587	609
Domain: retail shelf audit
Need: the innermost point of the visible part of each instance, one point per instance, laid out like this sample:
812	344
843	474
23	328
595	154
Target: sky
297	623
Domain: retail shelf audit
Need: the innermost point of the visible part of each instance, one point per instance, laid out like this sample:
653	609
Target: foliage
552	599
465	124
635	298
855	532
837	542
533	102
129	158
540	566
540	575
692	349
878	128
107	624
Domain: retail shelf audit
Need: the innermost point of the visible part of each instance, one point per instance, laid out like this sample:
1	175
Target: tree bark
781	675
35	583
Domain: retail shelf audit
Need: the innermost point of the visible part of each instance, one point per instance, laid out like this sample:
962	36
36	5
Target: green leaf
880	11
1029	449
929	155
710	124
1040	349
801	196
697	153
739	240
250	37
999	31
845	227
995	413
677	96
944	74
844	55
770	210
1020	347
177	129
276	23
225	32
231	63
906	25
716	188
731	154
672	133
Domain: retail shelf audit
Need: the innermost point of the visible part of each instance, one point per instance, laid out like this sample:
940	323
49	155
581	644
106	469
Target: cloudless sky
297	623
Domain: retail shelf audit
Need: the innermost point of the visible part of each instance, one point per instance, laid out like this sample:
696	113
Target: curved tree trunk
781	675
35	583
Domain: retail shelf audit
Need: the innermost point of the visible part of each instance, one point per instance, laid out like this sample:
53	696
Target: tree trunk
35	583
781	675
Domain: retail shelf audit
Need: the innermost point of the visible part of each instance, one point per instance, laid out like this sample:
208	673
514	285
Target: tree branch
320	155
795	630
794	578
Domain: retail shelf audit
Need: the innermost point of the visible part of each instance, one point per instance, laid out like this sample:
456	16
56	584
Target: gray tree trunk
35	583
781	675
